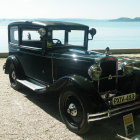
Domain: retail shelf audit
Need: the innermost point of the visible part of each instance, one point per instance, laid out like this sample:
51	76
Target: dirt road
25	115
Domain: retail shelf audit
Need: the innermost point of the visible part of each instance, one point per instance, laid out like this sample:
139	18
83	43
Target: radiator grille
109	68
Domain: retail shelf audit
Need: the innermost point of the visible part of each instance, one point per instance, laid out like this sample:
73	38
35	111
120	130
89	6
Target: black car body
44	56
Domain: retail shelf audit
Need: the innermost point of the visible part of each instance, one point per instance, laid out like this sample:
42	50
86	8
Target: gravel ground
25	115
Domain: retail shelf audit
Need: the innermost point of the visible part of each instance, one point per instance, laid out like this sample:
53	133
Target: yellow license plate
128	119
124	99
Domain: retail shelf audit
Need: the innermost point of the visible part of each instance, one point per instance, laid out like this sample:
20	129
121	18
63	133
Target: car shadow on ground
48	102
108	129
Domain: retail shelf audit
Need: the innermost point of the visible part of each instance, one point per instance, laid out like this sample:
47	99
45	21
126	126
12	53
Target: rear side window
14	35
31	37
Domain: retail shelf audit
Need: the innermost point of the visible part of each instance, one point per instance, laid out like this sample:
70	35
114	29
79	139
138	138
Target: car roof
49	24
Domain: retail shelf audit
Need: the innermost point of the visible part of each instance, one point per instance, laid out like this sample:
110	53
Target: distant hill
82	20
125	19
137	19
7	21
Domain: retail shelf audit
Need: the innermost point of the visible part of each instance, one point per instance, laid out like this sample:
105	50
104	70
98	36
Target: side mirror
92	32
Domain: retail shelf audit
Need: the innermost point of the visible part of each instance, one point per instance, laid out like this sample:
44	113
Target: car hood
76	54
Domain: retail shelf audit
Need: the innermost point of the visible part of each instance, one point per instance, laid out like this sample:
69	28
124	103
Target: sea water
3	39
116	35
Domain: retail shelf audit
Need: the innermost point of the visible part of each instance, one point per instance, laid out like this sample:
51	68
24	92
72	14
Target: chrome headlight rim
127	68
42	32
95	71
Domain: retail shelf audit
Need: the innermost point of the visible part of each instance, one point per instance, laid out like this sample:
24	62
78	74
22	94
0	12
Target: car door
31	56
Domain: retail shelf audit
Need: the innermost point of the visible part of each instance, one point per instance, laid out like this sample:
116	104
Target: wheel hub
72	110
13	75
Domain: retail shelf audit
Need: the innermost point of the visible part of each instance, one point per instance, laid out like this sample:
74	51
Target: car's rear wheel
73	111
13	77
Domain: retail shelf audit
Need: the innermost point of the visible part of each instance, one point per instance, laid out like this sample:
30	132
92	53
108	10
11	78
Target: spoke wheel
13	77
73	111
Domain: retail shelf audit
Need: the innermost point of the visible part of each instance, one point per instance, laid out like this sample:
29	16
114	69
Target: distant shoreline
121	19
125	19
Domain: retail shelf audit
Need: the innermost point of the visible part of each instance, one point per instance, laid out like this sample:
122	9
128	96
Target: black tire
73	111
12	77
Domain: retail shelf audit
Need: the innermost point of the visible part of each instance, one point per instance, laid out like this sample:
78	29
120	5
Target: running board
37	87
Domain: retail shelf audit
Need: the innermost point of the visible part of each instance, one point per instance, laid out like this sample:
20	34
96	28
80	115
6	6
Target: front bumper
113	112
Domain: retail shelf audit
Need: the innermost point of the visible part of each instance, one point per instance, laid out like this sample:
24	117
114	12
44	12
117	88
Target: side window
31	37
14	35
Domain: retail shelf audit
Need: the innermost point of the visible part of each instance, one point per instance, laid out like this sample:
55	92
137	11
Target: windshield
67	37
76	37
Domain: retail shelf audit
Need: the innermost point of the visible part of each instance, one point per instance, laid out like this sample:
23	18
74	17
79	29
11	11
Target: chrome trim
94	71
63	58
52	70
16	45
39	23
72	110
115	76
30	48
113	112
32	86
117	72
109	91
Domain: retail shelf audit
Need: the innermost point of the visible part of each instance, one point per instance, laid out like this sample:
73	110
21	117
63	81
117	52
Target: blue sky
94	9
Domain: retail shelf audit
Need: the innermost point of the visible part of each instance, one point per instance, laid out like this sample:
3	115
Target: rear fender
18	68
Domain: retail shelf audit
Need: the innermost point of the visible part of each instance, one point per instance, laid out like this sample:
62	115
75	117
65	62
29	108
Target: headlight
95	71
42	32
127	68
121	66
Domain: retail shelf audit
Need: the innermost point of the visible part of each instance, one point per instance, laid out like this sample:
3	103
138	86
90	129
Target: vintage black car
47	56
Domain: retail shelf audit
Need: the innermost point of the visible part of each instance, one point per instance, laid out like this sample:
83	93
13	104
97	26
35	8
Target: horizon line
67	18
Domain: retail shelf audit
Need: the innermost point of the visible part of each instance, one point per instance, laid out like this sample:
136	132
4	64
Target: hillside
125	19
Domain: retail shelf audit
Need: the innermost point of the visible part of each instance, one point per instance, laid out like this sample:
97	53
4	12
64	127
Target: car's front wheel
12	77
73	111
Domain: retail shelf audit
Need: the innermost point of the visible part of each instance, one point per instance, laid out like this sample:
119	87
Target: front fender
85	87
83	84
73	80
